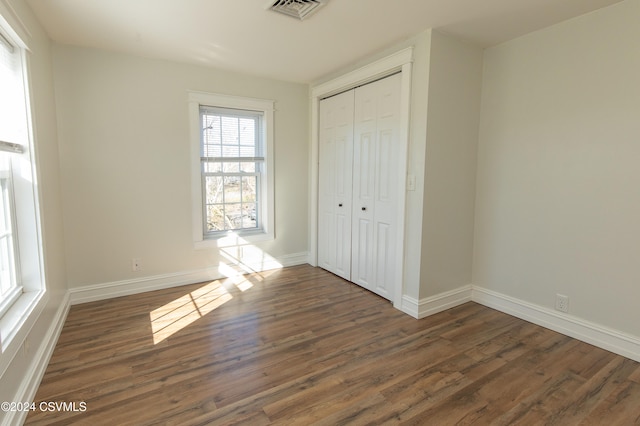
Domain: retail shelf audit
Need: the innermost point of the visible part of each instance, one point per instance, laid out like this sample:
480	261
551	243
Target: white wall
125	158
558	198
18	380
416	163
453	116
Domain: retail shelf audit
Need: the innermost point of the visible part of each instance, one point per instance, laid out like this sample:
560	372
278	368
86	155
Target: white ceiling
241	36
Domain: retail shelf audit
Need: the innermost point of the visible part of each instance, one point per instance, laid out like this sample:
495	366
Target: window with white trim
11	132
233	193
232	164
21	273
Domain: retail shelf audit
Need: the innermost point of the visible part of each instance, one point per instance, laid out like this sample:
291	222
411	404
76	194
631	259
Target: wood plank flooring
300	346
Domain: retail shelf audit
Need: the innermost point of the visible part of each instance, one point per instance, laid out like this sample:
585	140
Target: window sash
13	128
12	105
224	204
220	135
10	288
223	132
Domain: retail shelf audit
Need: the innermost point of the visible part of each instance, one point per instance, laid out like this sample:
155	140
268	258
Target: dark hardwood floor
301	346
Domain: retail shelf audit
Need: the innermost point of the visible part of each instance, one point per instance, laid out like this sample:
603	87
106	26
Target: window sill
16	323
16	317
233	239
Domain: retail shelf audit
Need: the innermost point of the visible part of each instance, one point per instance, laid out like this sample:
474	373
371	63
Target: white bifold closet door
335	180
359	182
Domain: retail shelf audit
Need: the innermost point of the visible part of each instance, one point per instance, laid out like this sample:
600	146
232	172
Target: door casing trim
400	61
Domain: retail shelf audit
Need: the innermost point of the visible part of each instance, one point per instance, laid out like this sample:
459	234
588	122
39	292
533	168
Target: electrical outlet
562	303
136	264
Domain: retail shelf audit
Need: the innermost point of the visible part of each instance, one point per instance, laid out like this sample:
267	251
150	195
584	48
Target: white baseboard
409	306
594	334
33	377
91	293
432	305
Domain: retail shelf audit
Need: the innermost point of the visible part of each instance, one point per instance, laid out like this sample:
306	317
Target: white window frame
218	164
265	207
9	213
20	316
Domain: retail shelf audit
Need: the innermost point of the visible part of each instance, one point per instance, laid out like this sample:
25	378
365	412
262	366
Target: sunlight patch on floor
183	311
243	265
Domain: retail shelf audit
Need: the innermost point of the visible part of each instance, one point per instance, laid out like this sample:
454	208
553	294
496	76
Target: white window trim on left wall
20	317
267	210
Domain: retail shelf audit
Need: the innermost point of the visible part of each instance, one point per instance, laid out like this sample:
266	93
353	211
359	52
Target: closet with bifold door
359	180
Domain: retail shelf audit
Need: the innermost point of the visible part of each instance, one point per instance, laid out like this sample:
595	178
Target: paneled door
335	184
375	183
359	181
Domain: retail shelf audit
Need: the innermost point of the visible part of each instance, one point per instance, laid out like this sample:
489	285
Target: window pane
210	150
234	215
13	127
6	266
214	190
7	260
215	218
249	186
230	150
212	166
230	131
248	167
247	137
249	219
228	167
5	219
211	136
232	192
247	131
247	151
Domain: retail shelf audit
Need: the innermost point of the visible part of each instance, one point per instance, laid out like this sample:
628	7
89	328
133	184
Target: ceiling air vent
296	8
